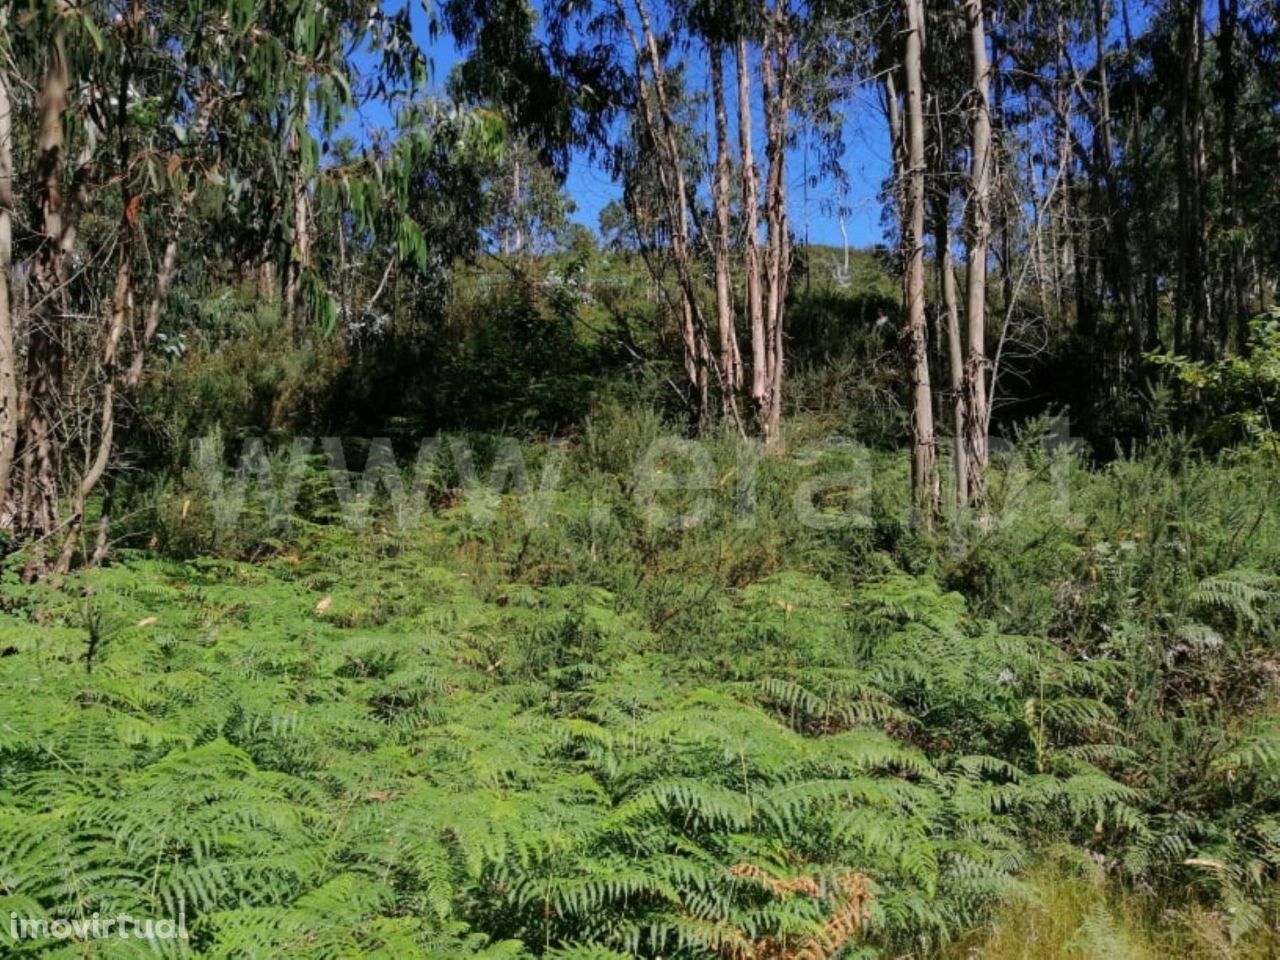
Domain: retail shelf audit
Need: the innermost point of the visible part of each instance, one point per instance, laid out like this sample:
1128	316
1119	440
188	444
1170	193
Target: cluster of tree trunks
1106	202
1120	179
714	360
967	352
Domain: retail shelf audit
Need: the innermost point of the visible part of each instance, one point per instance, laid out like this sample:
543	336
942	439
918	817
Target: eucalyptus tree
639	54
720	31
938	110
766	39
9	396
926	490
164	134
975	415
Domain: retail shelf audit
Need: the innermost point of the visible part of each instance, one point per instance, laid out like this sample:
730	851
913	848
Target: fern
579	744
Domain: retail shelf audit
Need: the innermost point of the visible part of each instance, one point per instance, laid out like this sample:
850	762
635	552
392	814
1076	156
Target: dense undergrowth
600	736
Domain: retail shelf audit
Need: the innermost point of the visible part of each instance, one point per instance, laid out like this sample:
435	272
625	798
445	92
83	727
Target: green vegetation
475	736
397	560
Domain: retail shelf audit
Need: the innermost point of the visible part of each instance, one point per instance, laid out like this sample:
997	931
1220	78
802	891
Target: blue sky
866	161
813	207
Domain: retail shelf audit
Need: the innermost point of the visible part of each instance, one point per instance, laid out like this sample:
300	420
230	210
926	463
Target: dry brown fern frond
852	894
781	887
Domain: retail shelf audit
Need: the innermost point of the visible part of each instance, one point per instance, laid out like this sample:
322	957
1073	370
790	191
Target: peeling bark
730	358
925	484
977	417
8	353
776	88
751	235
37	508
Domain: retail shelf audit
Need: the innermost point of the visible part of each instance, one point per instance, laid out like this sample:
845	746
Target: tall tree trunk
1199	291
1235	281
300	241
1145	280
300	251
730	358
751	235
1065	259
1124	277
898	153
955	344
664	134
38	506
8	351
924	465
1039	261
1192	306
977	419
997	119
776	84
948	335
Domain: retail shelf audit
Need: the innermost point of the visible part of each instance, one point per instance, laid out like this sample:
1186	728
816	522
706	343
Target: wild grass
1070	910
